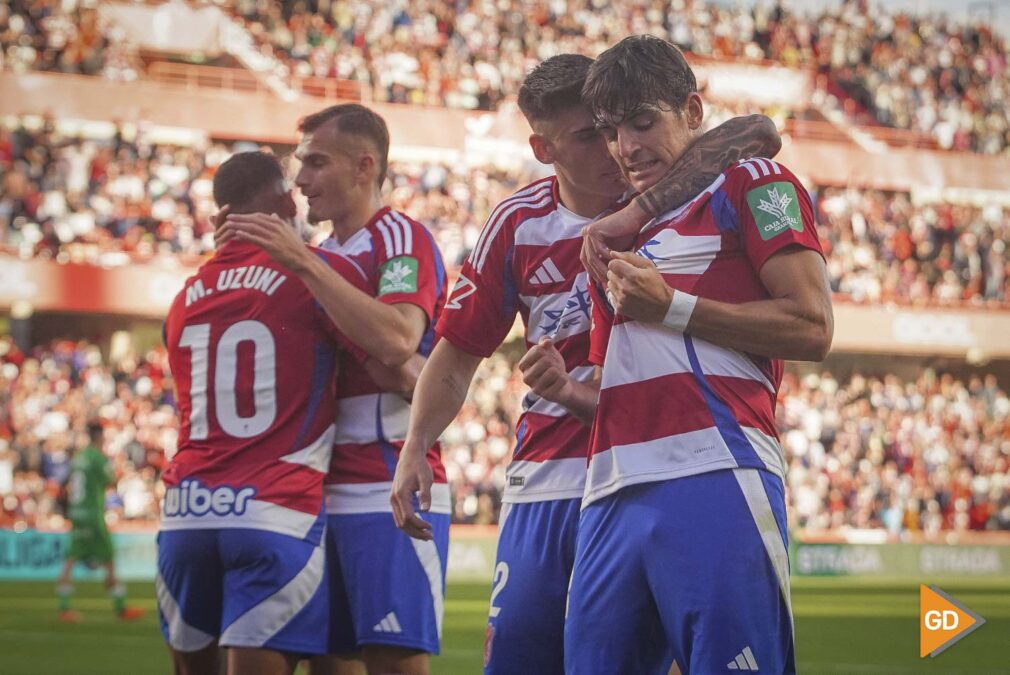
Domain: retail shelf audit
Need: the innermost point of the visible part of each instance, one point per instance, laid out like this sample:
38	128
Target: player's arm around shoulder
774	220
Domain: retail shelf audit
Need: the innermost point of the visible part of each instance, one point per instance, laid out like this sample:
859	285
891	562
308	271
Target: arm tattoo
713	153
455	386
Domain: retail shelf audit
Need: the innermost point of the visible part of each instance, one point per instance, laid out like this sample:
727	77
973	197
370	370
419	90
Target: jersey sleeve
353	273
602	322
483	304
773	208
408	263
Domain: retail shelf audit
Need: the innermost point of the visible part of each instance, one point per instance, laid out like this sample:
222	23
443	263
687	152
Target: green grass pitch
842	626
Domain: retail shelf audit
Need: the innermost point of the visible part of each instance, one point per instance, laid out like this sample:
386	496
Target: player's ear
694	111
367	166
542	148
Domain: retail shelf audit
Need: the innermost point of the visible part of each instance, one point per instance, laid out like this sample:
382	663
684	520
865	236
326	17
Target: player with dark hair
682	542
90	475
241	558
526	262
387	590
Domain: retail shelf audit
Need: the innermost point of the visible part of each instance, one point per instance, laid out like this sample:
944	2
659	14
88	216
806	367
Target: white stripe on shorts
427	554
263	621
764	518
181	636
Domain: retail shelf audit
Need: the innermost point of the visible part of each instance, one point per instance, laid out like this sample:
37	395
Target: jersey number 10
197	339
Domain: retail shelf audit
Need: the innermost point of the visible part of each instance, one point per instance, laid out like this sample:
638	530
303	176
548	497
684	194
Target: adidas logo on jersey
547	273
389	624
744	661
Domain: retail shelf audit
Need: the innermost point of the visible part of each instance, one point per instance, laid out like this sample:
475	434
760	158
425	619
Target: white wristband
680	311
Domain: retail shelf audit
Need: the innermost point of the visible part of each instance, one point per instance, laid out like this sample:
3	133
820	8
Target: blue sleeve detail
510	293
725	214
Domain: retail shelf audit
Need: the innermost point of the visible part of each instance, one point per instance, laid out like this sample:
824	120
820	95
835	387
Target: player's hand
636	289
613	232
217	220
411	482
271	233
544	372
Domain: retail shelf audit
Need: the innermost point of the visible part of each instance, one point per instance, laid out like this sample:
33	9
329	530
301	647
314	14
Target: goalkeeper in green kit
90	543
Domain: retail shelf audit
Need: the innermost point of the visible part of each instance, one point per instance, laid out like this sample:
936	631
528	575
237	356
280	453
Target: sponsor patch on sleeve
776	209
398	275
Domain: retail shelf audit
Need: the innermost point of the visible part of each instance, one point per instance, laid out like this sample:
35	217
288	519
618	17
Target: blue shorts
242	588
526	624
386	588
694	569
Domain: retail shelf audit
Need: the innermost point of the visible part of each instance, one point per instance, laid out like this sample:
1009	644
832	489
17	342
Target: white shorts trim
349	498
262	622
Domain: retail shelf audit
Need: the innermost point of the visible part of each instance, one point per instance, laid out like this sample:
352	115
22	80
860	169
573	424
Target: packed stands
116	199
926	74
907	455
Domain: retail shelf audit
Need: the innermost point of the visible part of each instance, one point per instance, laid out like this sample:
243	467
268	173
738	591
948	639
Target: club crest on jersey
775	208
193	498
398	275
577	309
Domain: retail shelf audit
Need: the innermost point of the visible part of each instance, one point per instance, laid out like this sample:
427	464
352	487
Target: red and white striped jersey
673	405
526	261
403	265
253	357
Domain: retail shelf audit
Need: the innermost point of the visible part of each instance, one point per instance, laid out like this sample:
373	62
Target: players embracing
527	263
386	589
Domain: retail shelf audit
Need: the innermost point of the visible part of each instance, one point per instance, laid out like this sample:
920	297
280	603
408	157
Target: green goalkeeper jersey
90	473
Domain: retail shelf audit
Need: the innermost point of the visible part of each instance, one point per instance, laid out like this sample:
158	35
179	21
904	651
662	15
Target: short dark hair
356	120
95	431
245	175
638	71
553	86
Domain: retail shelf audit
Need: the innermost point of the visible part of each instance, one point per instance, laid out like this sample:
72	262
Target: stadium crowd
907	455
121	199
920	72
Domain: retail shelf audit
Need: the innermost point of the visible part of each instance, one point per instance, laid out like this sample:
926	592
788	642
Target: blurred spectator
883	247
907	456
66	36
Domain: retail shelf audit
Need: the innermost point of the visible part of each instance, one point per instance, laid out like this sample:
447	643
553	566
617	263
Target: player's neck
581	202
356	218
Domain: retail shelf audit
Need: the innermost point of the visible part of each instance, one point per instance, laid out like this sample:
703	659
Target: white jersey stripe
408	233
526	194
543	201
494	224
753	172
765	171
394	227
356	418
386	239
258	515
315	455
656	460
351	498
542	276
540	481
776	169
